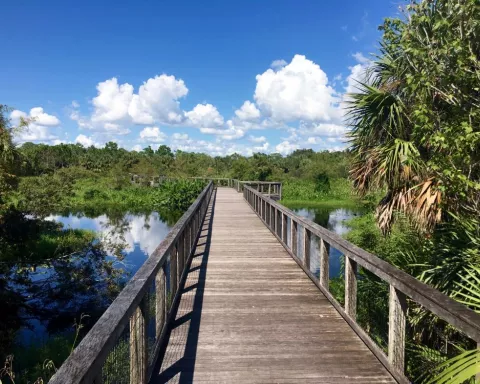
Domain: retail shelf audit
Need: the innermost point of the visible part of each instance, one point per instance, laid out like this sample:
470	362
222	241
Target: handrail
402	285
131	306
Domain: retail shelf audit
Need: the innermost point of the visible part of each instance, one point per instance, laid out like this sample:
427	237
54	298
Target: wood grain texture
396	328
248	313
453	312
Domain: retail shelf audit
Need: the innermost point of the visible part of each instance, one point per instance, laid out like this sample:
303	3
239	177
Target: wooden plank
453	312
284	228
85	363
350	287
236	323
396	328
294	241
160	302
324	264
306	248
138	345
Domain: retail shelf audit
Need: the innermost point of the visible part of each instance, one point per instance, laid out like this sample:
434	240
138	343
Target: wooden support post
284	228
173	270
396	328
180	256
306	248
280	192
294	246
160	302
324	264
138	344
269	189
350	287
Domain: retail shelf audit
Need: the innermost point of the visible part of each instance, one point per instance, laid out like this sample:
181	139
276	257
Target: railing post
269	189
306	248
324	264
284	228
350	287
396	328
138	344
173	269
280	192
160	301
294	246
180	257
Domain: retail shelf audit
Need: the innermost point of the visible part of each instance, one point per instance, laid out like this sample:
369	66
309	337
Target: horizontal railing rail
147	299
285	224
270	188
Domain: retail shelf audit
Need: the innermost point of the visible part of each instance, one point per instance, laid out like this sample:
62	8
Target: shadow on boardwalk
177	363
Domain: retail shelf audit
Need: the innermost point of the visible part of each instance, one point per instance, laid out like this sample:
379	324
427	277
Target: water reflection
335	220
139	235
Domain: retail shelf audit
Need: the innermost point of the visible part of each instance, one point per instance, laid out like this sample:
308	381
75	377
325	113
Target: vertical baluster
306	248
324	264
160	301
294	240
350	287
180	256
275	217
396	328
173	270
138	344
284	227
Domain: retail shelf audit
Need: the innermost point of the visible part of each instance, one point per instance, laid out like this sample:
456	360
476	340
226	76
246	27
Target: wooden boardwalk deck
248	313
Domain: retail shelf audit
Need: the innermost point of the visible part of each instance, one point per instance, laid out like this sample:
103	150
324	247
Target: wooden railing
272	189
124	343
286	226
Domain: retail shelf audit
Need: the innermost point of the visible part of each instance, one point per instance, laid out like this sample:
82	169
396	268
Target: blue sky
209	76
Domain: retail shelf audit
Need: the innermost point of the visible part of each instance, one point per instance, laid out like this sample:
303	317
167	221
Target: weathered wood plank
350	287
248	313
396	328
324	264
160	302
138	345
435	301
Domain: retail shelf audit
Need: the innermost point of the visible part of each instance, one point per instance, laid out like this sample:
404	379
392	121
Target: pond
137	235
334	219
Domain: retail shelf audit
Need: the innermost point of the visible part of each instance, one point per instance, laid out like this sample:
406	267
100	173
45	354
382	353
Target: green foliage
44	194
416	120
177	195
305	190
322	183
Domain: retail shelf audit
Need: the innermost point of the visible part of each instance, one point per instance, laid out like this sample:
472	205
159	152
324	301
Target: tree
416	120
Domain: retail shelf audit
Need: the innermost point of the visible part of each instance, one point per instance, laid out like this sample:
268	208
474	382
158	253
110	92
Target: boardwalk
248	313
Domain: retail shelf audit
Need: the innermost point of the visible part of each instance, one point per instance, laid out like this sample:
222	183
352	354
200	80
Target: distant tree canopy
38	159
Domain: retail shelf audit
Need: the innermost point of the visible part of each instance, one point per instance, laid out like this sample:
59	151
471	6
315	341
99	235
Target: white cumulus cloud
298	91
39	127
248	111
85	141
157	101
204	116
257	139
285	147
153	134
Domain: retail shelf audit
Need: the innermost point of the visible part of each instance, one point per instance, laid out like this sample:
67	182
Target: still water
136	234
335	220
139	235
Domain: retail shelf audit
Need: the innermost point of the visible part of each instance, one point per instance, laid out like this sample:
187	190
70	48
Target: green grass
303	193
